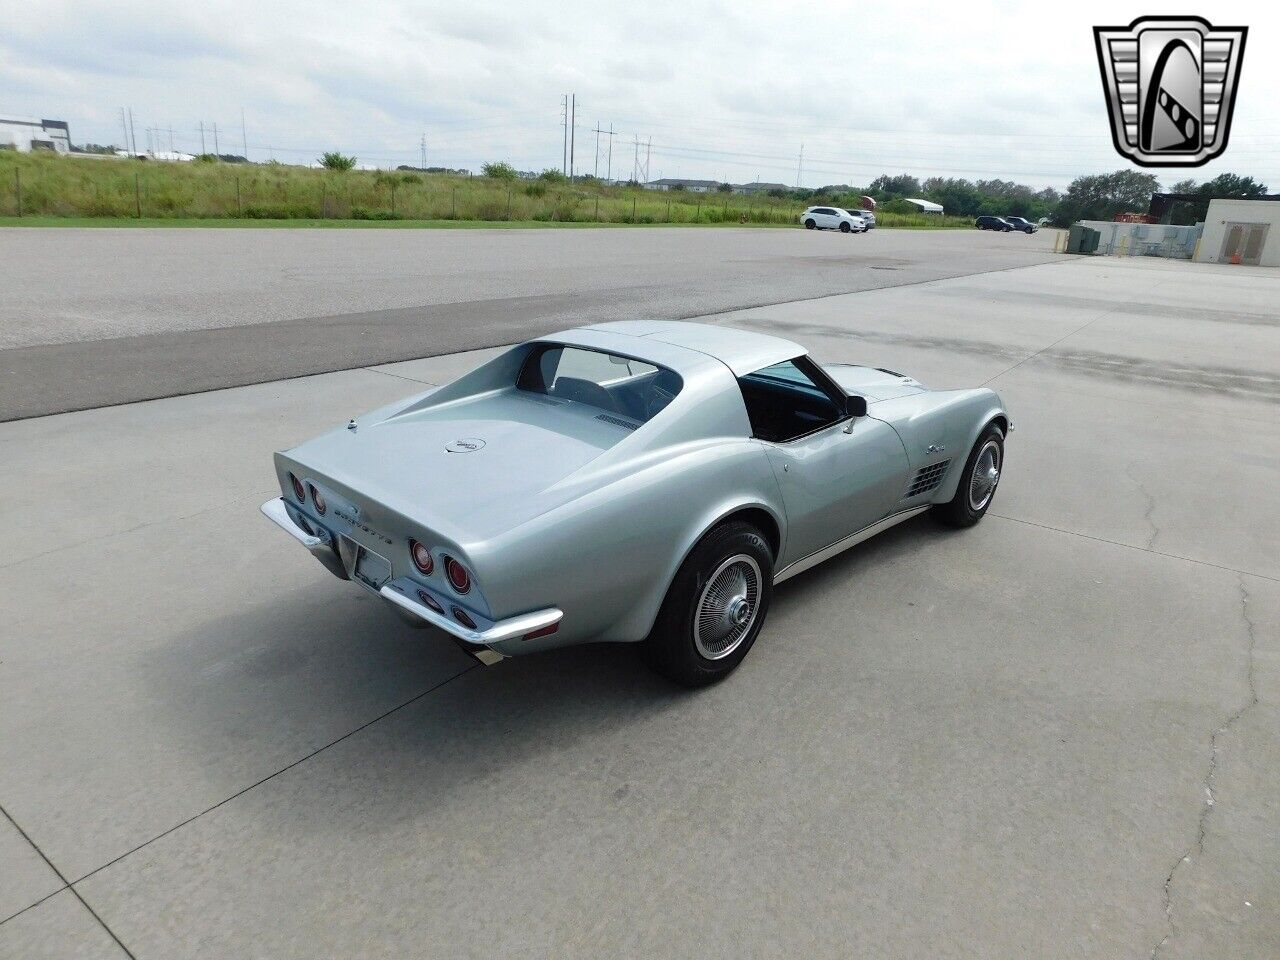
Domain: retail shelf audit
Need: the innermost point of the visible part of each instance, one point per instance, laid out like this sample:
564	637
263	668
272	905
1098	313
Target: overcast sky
725	90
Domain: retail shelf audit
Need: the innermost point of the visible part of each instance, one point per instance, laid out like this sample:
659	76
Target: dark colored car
993	223
1021	223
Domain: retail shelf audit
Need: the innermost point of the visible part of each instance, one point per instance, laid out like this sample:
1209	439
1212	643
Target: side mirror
855	406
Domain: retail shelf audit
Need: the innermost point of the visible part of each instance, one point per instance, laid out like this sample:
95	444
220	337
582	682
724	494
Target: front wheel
977	486
715	607
844	227
810	224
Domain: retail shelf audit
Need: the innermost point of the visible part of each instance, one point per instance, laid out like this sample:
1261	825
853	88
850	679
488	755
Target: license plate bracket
372	569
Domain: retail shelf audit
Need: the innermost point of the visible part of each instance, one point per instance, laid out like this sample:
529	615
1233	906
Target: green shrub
499	171
333	160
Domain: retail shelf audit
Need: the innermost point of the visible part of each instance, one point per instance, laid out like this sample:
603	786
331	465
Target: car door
826	218
836	475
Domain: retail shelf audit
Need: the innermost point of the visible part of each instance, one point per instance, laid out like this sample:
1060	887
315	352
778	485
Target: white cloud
729	90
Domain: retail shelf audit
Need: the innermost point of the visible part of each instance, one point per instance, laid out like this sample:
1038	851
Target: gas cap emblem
465	445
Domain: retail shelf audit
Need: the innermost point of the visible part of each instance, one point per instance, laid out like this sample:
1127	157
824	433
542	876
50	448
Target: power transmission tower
564	122
216	151
244	136
648	151
133	133
573	129
800	167
609	168
635	160
595	171
203	149
124	127
423	145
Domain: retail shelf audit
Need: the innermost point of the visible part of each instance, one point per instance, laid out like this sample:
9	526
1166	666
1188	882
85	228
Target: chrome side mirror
854	407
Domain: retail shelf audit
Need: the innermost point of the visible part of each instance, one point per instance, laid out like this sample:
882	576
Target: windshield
617	385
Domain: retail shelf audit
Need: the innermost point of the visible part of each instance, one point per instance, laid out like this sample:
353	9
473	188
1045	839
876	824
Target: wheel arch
764	516
989	410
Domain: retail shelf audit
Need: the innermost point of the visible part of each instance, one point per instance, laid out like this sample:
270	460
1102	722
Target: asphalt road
1054	735
107	316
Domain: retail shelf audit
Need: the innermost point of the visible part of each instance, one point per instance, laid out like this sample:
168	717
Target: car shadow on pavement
340	677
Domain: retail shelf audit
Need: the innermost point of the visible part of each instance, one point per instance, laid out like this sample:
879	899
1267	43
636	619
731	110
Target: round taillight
429	601
459	579
461	616
299	490
421	558
317	499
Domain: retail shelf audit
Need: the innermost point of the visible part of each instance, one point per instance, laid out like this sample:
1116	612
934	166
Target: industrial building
1241	231
25	134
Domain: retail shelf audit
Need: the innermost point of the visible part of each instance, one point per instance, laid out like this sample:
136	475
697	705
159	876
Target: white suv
868	217
832	218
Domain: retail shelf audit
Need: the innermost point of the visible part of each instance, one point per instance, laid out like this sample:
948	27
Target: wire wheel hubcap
727	607
986	474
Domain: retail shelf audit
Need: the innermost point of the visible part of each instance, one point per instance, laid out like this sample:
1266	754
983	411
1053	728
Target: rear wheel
977	486
715	607
810	224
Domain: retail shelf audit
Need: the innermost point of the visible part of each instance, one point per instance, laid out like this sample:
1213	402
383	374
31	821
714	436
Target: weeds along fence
81	187
47	185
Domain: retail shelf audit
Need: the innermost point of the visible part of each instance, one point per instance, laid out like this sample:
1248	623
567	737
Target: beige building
1241	231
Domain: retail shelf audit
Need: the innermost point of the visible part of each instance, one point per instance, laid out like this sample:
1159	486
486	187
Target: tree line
1096	197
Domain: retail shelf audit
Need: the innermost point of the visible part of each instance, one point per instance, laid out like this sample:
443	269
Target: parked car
993	223
636	481
866	215
832	218
1021	223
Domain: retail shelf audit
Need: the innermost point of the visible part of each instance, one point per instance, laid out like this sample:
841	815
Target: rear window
611	383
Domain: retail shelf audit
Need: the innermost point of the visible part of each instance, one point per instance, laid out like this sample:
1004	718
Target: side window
785	401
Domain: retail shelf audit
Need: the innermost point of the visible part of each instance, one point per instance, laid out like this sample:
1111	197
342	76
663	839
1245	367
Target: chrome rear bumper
322	549
511	629
478	641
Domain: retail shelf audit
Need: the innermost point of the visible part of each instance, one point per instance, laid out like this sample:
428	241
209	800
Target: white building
926	206
25	134
1241	231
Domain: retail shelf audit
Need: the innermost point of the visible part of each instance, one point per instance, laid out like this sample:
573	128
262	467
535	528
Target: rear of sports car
461	507
426	575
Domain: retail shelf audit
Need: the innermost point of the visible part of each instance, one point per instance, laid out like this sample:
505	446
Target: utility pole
244	137
423	145
133	133
609	170
124	126
216	151
648	152
635	160
564	122
800	167
596	170
203	149
573	129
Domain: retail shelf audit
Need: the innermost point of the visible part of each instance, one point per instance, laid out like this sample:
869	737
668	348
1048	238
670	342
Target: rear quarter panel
607	558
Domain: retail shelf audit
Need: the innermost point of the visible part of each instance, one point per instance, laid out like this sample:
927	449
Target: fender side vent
927	478
616	421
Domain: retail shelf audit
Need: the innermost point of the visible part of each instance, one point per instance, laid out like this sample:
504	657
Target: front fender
984	407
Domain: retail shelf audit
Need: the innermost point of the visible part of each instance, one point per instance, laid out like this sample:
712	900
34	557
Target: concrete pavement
112	316
1052	735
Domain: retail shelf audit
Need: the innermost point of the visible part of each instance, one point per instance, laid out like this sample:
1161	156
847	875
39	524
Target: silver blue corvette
646	482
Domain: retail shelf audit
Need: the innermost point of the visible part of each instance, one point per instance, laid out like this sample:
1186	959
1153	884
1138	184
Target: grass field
46	190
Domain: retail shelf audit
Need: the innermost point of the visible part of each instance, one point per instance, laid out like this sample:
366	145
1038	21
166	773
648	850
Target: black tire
844	226
810	224
673	648
966	508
